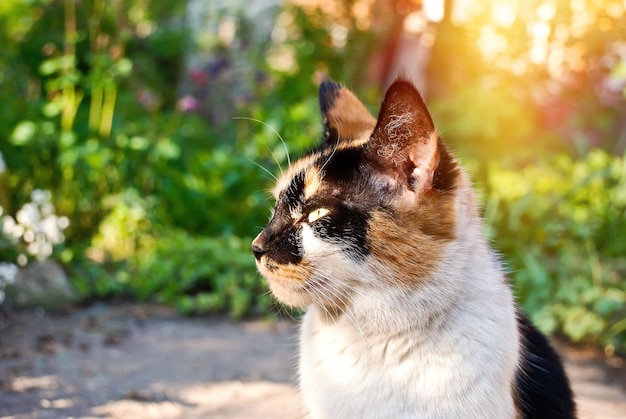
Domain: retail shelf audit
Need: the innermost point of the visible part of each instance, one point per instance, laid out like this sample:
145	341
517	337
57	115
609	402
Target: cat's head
375	204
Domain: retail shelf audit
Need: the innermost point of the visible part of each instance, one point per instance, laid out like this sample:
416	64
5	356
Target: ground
138	361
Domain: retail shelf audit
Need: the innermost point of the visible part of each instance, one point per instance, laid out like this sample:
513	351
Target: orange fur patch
312	182
410	243
292	285
287	282
294	169
350	119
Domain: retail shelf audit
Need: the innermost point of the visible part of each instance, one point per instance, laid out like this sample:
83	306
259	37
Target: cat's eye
316	214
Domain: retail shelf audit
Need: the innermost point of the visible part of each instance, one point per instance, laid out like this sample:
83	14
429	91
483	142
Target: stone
41	284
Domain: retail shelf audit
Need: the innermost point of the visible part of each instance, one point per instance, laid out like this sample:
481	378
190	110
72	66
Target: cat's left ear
405	143
345	118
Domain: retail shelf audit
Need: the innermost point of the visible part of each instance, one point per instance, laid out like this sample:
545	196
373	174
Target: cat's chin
286	284
297	287
288	295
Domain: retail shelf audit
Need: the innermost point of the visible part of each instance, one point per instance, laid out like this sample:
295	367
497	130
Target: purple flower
198	76
187	103
147	99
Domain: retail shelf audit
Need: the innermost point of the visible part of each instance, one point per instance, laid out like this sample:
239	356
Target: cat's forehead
322	169
304	167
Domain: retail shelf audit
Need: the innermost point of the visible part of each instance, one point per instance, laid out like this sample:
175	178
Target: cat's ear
405	143
345	118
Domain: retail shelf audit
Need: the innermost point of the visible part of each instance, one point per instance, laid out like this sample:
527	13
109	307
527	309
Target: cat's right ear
345	118
405	145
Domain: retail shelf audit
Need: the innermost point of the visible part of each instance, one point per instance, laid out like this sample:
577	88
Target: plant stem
69	102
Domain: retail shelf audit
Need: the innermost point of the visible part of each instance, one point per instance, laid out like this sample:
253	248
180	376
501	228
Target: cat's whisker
264	191
329	157
271	128
322	289
274	158
285	310
282	308
321	304
257	137
264	169
332	287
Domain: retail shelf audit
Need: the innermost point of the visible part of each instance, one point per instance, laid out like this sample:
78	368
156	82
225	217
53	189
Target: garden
138	139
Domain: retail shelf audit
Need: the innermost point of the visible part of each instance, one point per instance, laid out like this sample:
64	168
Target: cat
377	235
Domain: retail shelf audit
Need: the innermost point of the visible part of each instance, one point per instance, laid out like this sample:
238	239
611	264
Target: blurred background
138	140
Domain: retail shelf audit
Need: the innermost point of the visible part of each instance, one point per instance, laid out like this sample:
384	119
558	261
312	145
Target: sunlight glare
434	10
546	11
361	11
541	30
555	62
415	23
615	10
504	13
491	43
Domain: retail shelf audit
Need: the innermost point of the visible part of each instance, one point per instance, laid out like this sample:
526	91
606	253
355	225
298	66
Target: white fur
447	348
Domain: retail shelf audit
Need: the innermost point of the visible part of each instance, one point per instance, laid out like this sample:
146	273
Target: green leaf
23	133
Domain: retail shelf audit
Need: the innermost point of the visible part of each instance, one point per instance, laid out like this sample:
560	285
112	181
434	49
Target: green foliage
81	117
213	275
561	224
163	197
197	275
92	115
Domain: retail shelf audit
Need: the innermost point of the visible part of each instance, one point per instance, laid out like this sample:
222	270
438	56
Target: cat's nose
259	245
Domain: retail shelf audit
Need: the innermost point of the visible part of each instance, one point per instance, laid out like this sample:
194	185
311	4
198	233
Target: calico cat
377	234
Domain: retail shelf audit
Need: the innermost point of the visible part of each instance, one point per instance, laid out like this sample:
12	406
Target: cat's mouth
288	283
298	285
293	275
272	267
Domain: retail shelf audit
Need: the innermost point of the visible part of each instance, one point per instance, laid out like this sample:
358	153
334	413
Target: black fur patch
543	390
294	193
281	239
328	93
347	227
288	249
342	166
329	90
447	171
347	224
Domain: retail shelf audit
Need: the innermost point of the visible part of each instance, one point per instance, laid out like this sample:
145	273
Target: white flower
3	168
28	215
22	260
63	222
36	226
39	196
50	228
18	231
47	208
8	272
29	236
40	248
8	224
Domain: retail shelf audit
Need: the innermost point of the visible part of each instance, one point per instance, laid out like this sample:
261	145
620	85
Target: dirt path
138	361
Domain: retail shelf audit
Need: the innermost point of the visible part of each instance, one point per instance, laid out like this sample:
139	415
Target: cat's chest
347	373
356	358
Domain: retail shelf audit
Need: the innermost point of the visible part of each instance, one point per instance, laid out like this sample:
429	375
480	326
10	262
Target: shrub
561	225
202	275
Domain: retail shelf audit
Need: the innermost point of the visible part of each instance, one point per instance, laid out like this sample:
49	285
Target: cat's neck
457	330
470	276
467	276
